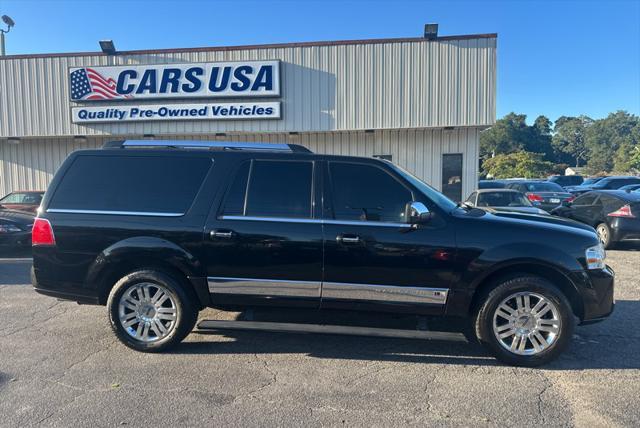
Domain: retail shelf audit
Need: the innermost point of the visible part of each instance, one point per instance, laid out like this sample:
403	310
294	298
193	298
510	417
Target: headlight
595	257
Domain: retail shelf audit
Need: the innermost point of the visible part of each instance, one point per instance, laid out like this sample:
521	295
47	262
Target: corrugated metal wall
411	84
32	163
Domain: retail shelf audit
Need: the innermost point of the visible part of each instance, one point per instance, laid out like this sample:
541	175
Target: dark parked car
15	230
607	183
542	194
503	200
630	187
491	184
566	180
189	225
22	201
615	214
587	182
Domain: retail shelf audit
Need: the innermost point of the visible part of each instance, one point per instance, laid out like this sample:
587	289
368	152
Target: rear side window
155	185
586	200
367	193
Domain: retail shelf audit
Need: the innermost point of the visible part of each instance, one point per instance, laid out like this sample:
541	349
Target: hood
547	219
17	217
525	210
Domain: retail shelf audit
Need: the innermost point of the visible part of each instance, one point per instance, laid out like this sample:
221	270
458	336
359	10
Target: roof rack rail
210	145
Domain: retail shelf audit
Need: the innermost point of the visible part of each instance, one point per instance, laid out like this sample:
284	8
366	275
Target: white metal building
419	102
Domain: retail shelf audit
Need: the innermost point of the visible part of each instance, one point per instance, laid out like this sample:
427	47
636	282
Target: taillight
624	211
534	198
570	199
42	233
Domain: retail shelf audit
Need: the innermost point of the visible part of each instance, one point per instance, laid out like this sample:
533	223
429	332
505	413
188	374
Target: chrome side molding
328	290
384	293
264	287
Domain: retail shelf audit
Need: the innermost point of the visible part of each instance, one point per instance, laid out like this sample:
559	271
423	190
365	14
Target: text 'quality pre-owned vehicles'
179	226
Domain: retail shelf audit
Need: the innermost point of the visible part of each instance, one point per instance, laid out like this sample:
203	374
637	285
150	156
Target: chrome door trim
264	287
328	290
384	293
136	213
315	221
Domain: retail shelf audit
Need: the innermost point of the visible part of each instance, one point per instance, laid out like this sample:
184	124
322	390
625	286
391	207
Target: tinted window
490	184
13	198
165	184
543	186
280	189
452	176
234	201
502	199
587	199
610	203
367	193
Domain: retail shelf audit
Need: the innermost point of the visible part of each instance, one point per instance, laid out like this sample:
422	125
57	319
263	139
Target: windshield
592	180
502	199
543	186
438	198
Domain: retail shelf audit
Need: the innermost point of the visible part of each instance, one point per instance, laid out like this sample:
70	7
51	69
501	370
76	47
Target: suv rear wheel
151	311
525	321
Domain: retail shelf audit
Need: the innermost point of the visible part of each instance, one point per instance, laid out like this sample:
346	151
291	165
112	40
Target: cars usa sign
191	80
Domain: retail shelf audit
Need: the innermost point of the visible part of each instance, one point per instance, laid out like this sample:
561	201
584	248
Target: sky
555	57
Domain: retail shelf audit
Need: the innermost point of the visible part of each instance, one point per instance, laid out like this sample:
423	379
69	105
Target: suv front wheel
151	311
525	321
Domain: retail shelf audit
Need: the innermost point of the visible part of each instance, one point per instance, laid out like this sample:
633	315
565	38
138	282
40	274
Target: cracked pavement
60	365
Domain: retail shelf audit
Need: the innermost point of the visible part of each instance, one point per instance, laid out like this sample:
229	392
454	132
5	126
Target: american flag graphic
88	84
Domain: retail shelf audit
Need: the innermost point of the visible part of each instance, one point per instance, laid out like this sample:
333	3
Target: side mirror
567	203
417	212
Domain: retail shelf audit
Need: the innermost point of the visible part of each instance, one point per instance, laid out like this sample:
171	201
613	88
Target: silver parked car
503	200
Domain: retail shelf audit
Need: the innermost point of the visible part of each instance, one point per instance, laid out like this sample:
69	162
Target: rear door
587	208
373	258
264	244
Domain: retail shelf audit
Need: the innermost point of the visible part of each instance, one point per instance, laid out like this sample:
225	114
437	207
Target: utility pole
7	20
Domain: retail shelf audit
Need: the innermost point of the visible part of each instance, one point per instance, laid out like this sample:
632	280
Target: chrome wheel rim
603	235
147	312
526	323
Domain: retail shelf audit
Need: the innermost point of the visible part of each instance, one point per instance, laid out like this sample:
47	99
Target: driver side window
367	193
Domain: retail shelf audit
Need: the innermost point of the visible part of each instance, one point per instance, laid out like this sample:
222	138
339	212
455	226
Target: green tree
511	134
569	139
519	164
506	136
610	142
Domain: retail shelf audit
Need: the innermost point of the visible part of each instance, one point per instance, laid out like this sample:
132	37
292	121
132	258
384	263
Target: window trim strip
315	221
134	213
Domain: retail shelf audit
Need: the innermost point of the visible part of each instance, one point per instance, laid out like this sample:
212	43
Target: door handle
347	239
222	233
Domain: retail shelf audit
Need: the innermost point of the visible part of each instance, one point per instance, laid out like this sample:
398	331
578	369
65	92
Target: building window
452	176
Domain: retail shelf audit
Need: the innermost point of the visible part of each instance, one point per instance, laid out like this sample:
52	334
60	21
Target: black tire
484	320
182	301
604	235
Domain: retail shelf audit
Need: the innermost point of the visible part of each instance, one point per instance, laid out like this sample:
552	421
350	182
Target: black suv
158	230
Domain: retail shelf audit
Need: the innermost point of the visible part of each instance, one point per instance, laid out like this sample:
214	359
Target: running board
281	327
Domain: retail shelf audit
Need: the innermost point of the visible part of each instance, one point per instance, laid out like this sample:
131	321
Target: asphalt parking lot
61	366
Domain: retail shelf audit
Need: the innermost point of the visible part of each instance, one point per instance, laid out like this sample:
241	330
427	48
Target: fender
504	257
151	251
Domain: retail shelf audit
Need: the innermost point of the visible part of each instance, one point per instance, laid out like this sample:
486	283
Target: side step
282	327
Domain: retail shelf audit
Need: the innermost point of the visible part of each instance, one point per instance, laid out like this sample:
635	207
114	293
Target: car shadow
597	346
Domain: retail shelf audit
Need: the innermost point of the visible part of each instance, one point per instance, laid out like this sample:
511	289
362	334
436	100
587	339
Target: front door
264	246
373	258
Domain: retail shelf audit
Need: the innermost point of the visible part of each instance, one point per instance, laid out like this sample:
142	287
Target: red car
27	200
